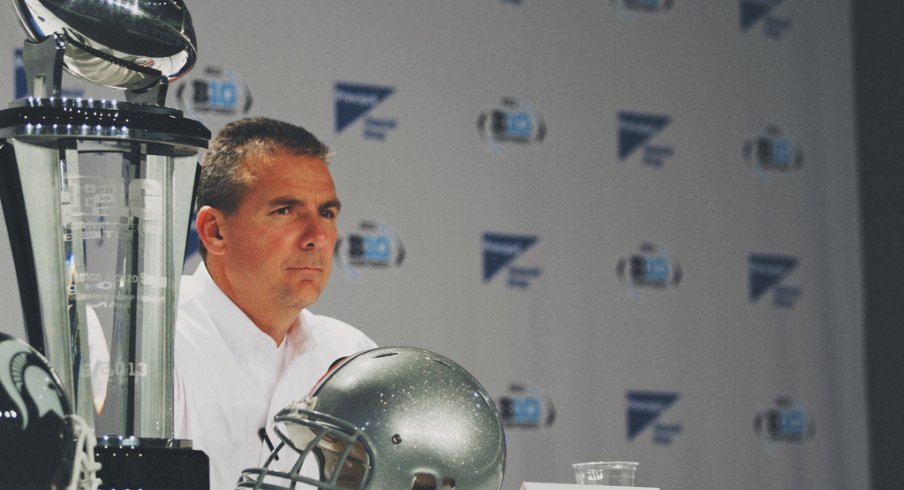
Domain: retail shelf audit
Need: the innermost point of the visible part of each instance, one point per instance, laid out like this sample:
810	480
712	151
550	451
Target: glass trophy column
97	197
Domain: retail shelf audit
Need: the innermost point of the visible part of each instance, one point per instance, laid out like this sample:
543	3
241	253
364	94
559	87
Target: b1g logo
218	91
651	267
755	12
514	122
767	274
644	409
373	245
772	152
785	421
635	130
499	254
356	100
525	407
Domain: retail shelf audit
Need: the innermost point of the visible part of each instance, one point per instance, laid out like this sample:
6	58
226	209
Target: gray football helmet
392	418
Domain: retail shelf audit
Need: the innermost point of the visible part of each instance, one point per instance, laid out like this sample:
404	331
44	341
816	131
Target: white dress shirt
231	378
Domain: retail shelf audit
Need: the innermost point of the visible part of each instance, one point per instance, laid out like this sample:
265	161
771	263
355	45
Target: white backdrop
634	221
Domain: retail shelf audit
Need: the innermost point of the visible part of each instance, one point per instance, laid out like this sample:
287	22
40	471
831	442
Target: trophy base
151	465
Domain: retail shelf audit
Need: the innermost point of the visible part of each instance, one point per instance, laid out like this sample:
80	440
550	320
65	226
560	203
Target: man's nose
314	235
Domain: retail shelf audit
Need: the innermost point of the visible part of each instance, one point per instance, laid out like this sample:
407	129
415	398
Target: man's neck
273	321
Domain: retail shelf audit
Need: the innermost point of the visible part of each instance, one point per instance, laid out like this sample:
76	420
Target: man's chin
304	296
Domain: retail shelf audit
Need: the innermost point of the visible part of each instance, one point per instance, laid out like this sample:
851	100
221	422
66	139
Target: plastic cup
614	473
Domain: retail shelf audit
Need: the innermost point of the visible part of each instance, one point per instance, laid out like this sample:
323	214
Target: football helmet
42	444
398	418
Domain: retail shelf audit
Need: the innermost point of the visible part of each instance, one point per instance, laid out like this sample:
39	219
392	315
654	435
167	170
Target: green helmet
395	418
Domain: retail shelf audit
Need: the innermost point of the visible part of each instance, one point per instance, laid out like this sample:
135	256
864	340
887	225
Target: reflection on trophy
97	197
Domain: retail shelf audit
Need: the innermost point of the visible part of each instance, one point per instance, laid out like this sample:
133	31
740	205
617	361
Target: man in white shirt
246	346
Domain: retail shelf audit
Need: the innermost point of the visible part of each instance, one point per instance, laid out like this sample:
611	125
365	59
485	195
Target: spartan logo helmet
43	444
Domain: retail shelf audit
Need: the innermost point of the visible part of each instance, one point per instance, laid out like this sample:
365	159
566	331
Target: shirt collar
238	331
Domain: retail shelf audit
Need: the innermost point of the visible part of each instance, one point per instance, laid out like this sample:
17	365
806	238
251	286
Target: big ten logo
215	94
516	121
369	249
517	126
526	407
371	245
772	151
219	91
651	267
786	421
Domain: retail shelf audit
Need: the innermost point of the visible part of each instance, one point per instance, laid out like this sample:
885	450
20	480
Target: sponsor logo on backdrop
642	5
772	152
645	410
355	101
635	130
768	273
501	251
373	245
526	407
651	268
762	12
786	421
215	91
21	80
513	122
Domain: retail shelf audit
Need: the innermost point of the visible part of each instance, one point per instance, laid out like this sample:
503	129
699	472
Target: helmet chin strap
85	468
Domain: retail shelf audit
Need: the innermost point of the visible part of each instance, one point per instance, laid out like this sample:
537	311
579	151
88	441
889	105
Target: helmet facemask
332	443
84	467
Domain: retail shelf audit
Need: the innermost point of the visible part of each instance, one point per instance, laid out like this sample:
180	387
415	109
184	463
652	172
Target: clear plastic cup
614	473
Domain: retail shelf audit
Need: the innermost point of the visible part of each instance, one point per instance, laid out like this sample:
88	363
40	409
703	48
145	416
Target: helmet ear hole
423	481
426	481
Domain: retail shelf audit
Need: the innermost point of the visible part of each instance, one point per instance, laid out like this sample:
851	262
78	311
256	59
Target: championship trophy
97	196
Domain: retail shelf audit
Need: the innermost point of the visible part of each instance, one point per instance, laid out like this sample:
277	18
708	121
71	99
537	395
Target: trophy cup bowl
123	44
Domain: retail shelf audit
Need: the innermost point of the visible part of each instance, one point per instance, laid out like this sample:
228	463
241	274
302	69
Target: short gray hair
224	177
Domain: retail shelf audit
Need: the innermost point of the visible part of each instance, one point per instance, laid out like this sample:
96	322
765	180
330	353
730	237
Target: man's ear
210	222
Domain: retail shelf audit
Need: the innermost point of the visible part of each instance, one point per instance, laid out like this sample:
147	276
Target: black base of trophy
152	468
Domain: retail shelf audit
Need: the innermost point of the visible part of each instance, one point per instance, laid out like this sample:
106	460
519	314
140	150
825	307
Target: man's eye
328	213
282	211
